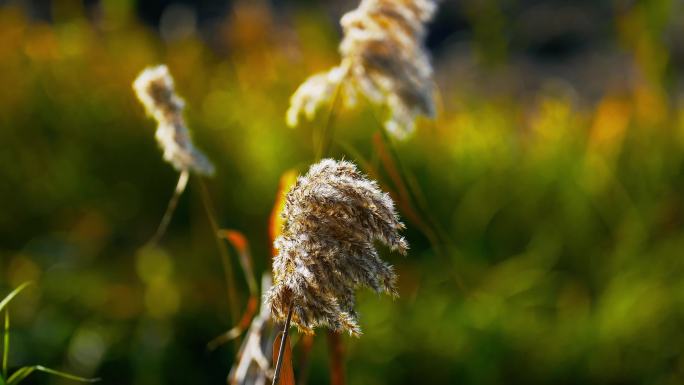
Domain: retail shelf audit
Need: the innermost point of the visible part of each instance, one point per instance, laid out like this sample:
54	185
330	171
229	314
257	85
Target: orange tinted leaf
287	180
235	332
239	242
336	352
237	239
286	371
305	346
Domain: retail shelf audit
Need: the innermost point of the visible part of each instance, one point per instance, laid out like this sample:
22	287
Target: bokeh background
554	171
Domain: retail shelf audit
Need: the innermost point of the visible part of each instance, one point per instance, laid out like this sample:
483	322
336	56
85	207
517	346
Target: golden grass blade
287	180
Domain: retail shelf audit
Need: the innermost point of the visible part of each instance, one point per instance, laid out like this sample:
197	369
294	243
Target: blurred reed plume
155	90
332	216
384	59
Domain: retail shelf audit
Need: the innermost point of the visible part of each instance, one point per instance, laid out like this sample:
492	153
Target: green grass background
564	212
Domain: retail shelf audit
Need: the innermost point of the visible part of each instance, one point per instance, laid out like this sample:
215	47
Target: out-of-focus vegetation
22	373
564	211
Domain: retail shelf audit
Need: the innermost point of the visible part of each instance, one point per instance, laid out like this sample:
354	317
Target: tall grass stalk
306	345
223	250
327	131
281	350
239	242
171	208
336	354
413	195
5	344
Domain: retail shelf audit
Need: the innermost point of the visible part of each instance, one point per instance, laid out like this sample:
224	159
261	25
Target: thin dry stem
283	340
171	208
223	250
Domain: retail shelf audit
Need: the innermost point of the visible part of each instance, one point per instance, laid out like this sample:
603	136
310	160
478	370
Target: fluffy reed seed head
332	217
383	58
155	90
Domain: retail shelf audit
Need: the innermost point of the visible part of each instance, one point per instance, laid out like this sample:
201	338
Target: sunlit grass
22	373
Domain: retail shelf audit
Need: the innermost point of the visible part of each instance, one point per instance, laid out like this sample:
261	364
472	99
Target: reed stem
327	131
281	350
432	230
223	250
5	350
171	208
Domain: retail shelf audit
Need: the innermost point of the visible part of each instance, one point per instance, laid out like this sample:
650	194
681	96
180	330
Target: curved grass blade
26	371
171	207
19	375
223	250
239	242
13	294
5	345
238	329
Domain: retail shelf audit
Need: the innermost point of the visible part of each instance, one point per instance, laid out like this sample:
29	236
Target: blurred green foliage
565	215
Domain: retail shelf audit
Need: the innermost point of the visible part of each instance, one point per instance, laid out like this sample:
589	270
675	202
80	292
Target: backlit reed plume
155	90
332	217
383	58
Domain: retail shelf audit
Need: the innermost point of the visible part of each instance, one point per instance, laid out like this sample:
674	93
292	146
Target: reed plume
155	90
332	216
384	59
